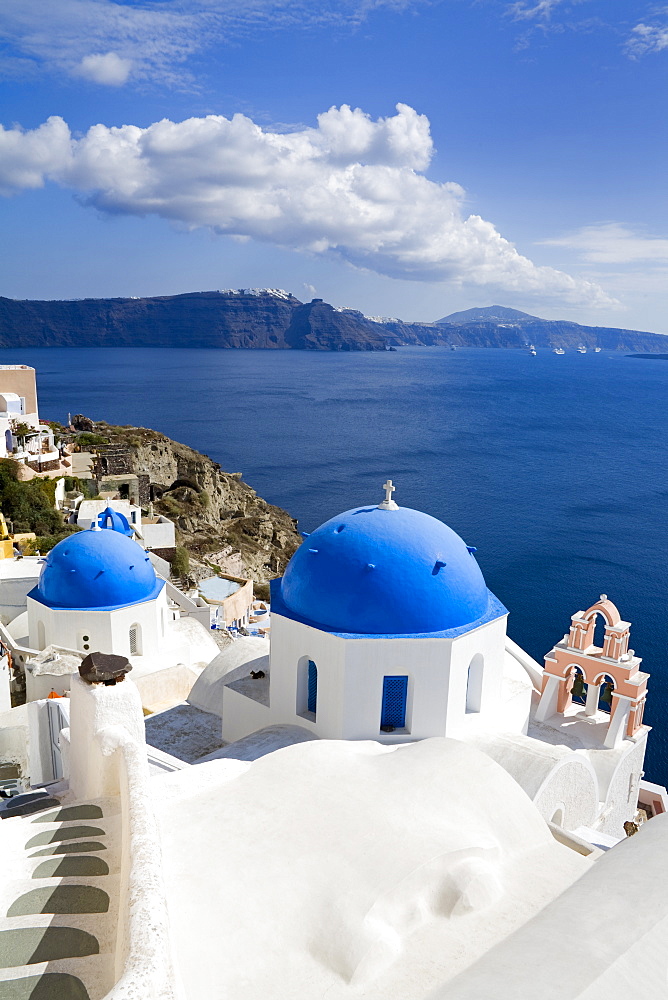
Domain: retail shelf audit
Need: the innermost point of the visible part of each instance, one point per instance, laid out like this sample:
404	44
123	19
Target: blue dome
96	570
385	572
110	518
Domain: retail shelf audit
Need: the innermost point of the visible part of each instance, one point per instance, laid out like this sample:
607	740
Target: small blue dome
385	572
96	570
110	518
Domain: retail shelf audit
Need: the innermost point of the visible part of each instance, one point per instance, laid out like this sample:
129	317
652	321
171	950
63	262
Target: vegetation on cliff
220	520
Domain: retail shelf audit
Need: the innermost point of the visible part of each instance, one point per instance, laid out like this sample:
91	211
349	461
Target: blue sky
406	158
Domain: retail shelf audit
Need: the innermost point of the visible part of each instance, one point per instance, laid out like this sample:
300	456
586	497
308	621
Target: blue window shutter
312	686
393	712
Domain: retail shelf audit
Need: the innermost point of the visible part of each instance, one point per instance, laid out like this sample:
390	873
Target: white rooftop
348	869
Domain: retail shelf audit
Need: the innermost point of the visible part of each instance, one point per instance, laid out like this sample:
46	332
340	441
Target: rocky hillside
251	318
220	520
274	319
498	326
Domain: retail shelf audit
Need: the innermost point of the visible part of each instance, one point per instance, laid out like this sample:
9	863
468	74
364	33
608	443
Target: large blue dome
96	569
385	572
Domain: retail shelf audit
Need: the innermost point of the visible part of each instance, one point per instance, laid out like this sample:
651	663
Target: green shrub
44	543
181	562
89	440
28	505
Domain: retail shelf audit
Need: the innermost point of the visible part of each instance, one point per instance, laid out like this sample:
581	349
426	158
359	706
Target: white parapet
93	709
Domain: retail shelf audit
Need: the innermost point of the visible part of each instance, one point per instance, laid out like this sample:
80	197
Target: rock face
317	326
219	518
276	320
250	318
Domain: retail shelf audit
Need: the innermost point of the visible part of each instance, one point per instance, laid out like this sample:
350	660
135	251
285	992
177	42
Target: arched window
606	686
41	636
393	707
312	701
579	687
307	688
474	683
135	640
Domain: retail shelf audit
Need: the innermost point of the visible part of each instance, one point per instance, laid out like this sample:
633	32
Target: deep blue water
556	468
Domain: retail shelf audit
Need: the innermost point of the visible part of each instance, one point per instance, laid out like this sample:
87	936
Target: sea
554	467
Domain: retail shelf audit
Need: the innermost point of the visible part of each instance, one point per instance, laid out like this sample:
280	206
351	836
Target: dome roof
110	518
96	569
385	572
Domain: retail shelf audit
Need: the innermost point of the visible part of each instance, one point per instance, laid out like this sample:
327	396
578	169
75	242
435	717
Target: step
48	986
84	811
64	833
87	978
60	899
66	847
33	945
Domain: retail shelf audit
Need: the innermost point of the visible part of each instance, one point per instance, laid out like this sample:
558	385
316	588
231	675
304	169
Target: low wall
144	963
107	756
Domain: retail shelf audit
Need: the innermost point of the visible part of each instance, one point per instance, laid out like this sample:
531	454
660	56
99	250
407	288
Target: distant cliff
274	319
262	318
498	326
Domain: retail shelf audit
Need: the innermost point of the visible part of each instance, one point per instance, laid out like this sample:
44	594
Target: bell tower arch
606	678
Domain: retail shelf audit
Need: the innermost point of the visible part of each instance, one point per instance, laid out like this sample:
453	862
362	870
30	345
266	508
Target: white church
406	804
383	629
98	591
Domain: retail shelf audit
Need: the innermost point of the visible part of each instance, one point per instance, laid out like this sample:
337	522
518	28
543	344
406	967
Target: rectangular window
133	641
393	711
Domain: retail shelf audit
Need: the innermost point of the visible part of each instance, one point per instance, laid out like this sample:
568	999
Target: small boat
582	349
597	350
532	350
558	350
453	347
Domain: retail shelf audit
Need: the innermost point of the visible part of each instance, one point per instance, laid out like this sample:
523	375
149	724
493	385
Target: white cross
388	503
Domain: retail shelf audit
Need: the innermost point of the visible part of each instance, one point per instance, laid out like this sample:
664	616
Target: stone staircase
59	902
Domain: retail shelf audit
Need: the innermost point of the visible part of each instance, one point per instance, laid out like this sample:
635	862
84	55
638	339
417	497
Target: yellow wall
20	380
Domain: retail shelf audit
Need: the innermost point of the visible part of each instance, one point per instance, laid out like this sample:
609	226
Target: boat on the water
531	349
597	350
453	347
558	350
582	349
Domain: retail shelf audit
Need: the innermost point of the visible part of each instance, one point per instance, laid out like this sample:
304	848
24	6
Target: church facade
383	629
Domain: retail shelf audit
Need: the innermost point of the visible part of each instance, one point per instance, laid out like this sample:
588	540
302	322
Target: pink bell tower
606	678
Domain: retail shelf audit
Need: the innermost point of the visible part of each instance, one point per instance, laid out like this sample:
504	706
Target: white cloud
107	68
647	38
613	243
352	187
523	10
156	36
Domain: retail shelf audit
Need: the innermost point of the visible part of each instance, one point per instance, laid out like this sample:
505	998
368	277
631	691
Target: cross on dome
388	503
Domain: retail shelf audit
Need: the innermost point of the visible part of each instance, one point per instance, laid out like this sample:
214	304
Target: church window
312	686
41	636
135	640
84	642
393	709
307	688
474	683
